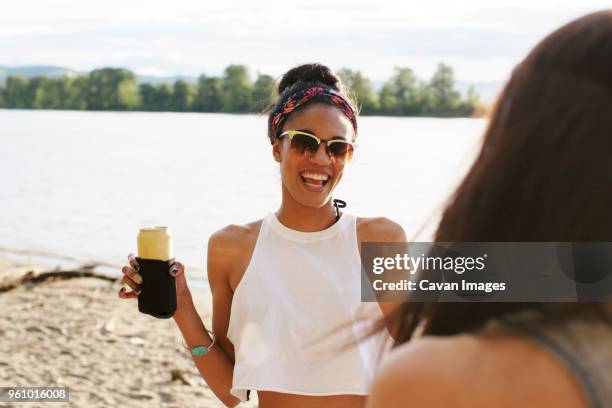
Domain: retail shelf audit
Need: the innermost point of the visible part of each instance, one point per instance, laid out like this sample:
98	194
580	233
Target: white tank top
297	288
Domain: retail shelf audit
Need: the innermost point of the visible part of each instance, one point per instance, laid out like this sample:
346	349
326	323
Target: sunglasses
302	142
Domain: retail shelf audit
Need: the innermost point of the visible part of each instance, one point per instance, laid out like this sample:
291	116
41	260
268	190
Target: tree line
234	92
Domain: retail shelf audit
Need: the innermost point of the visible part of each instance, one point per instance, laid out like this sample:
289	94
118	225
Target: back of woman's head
301	78
544	172
545	169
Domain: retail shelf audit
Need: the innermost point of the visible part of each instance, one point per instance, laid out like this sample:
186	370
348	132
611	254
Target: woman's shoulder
235	238
235	234
230	247
379	229
474	371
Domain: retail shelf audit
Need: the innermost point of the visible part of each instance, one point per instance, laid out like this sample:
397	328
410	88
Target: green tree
237	88
471	105
210	96
116	89
156	97
264	92
473	102
41	87
444	97
18	93
127	95
388	101
148	97
47	93
425	98
163	97
112	89
183	96
361	89
73	93
404	87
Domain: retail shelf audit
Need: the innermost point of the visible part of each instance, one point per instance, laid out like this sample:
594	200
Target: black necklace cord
338	204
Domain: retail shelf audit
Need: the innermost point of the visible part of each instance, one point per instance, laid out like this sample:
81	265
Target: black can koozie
158	289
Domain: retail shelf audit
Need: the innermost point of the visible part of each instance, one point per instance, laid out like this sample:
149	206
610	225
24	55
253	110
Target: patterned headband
301	97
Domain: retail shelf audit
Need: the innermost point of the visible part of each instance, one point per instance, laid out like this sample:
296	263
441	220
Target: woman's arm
381	229
217	366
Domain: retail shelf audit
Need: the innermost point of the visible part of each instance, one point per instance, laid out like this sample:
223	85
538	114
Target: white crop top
295	310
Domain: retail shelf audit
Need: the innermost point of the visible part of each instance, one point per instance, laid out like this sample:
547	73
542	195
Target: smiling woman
287	288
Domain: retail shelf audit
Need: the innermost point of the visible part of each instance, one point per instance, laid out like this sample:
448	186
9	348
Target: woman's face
301	172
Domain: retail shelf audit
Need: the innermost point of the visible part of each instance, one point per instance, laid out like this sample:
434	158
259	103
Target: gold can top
155	243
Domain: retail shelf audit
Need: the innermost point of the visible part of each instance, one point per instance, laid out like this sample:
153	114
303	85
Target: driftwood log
33	277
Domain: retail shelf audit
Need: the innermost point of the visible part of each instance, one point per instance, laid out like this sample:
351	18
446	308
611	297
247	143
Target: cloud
478	38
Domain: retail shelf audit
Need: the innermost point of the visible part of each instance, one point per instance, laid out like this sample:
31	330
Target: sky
481	39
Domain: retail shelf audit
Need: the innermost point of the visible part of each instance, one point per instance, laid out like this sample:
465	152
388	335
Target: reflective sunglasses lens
340	150
303	143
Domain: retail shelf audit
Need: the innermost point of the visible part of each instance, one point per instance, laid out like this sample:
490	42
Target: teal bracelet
200	350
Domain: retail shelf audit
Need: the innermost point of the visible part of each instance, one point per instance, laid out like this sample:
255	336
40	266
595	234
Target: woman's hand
133	279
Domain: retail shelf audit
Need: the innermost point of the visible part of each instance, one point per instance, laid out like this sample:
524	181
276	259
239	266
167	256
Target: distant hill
155	80
29	71
51	71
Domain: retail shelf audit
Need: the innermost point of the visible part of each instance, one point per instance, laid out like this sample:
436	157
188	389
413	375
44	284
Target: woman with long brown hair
544	173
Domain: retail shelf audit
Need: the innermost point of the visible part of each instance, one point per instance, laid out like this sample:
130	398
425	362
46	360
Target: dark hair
301	77
543	173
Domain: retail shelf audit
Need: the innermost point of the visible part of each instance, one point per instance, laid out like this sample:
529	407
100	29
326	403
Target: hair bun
310	73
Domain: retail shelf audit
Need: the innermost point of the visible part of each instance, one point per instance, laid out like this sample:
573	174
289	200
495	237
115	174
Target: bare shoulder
473	371
413	374
234	235
230	249
379	229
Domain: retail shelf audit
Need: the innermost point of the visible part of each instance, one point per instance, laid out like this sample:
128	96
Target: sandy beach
77	333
